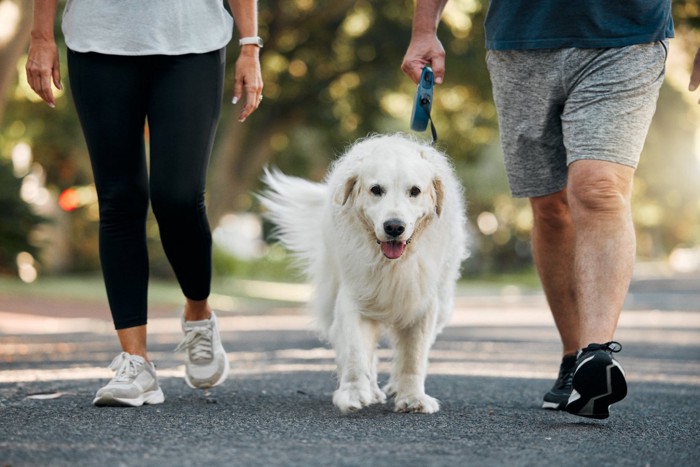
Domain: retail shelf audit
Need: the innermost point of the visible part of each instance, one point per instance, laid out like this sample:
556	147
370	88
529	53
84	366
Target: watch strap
253	40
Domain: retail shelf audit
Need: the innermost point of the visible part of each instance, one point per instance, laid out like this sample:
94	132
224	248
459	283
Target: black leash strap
426	105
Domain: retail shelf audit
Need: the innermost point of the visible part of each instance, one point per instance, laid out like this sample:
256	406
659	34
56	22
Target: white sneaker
206	362
134	384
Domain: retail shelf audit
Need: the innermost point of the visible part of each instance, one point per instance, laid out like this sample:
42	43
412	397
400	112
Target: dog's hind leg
407	383
354	339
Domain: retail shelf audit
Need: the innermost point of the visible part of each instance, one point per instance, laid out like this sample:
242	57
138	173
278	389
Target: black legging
180	95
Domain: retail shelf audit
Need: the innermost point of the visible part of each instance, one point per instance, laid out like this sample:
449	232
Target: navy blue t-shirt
549	24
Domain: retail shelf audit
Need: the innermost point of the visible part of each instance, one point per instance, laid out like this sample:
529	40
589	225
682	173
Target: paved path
489	368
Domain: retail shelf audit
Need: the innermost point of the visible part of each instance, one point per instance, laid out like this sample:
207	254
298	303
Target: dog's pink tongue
393	250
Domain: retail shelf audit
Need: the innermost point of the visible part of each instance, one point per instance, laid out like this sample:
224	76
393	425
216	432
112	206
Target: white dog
382	241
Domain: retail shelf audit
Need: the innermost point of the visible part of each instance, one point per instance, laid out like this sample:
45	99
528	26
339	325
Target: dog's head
394	189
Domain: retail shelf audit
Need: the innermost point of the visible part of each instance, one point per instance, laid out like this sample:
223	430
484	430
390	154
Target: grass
83	287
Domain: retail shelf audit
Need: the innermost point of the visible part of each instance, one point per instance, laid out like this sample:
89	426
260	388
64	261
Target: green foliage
274	266
17	220
686	13
332	75
332	70
667	194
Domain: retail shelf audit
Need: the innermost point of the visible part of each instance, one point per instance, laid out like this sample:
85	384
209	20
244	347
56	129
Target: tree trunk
13	45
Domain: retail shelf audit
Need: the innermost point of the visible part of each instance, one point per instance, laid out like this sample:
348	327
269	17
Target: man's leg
599	196
553	244
583	245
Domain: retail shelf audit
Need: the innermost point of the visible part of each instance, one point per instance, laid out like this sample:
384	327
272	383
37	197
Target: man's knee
599	187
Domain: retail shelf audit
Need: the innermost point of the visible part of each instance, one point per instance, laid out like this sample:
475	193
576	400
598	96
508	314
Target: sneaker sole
107	399
549	405
597	385
206	384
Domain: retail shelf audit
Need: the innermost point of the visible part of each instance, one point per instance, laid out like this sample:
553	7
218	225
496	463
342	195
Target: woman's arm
248	76
43	67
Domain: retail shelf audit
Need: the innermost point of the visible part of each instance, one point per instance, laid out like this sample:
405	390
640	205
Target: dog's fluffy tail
295	205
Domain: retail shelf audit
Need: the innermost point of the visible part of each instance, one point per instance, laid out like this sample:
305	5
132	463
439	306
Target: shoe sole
206	384
597	385
554	405
107	399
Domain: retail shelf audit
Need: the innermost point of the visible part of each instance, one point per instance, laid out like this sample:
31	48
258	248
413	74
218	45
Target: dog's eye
415	191
376	190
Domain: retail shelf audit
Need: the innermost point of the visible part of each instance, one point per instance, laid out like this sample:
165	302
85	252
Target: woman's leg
183	111
110	97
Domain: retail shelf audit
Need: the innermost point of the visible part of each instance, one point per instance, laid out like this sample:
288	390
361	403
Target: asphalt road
489	369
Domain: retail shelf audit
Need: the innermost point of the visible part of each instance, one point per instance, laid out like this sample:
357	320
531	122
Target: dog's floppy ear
342	196
439	195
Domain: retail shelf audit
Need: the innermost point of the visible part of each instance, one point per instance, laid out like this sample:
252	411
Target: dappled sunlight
26	267
487	337
24	324
685	260
276	290
458	16
332	75
681	52
358	21
9	21
492	364
396	104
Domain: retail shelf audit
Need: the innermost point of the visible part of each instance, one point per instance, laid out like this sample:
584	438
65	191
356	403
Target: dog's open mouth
393	249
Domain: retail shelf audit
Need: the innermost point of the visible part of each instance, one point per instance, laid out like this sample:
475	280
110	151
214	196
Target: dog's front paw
390	389
379	396
352	397
416	403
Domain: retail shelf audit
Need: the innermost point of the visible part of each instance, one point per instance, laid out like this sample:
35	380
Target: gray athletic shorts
557	106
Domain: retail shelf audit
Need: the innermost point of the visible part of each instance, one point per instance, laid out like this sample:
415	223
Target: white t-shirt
146	27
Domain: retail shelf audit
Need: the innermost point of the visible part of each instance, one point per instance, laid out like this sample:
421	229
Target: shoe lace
198	342
125	366
566	377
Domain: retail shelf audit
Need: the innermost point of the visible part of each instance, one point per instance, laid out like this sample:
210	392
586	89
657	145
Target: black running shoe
558	396
598	381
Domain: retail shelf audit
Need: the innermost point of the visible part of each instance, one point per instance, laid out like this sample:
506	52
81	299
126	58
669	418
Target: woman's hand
42	66
248	78
43	69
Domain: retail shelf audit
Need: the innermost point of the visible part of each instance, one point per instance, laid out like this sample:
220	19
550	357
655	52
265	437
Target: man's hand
424	50
695	74
425	47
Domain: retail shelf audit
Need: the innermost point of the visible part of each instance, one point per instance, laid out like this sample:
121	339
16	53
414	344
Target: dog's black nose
394	227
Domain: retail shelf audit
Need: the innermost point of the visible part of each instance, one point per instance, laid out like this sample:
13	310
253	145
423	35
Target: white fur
333	228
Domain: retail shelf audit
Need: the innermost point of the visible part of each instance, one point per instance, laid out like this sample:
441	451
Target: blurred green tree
17	221
331	71
15	23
